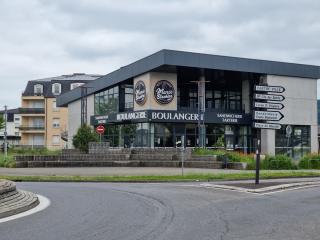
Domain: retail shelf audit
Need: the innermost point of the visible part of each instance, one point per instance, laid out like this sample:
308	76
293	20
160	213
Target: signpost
269	105
265	88
265	106
100	130
269	97
266	125
268	115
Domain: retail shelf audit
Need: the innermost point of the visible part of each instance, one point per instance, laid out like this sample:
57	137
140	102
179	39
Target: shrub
7	162
205	151
84	135
242	157
310	161
278	162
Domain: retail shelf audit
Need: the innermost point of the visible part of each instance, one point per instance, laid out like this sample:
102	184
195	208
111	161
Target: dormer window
38	89
75	85
56	89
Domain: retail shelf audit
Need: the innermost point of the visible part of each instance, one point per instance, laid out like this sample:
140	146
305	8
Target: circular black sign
163	92
140	95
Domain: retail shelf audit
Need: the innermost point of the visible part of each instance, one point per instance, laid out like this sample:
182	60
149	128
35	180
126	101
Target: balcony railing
30	127
31	110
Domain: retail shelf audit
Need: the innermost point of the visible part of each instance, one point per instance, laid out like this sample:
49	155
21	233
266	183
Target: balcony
31	110
31	128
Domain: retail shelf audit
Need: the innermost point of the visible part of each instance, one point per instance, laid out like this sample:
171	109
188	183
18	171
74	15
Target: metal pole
258	160
182	155
5	131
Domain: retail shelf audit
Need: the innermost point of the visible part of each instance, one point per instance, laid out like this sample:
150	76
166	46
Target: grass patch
10	162
174	178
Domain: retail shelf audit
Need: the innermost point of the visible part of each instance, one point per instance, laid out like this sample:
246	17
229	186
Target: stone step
17	203
150	157
6	186
126	163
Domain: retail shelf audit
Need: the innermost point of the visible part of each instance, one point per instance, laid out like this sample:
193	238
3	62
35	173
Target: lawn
175	178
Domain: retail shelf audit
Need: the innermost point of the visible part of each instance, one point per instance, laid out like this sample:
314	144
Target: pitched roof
64	80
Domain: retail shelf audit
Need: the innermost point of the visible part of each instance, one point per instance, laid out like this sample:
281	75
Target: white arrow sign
267	125
263	88
270	97
268	116
268	105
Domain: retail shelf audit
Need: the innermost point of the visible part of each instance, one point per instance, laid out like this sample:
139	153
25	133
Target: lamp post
5	131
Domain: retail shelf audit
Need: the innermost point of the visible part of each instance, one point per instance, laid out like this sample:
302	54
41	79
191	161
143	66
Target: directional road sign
270	97
263	88
268	116
269	105
266	125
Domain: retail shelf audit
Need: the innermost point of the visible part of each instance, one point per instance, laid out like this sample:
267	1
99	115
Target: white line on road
43	204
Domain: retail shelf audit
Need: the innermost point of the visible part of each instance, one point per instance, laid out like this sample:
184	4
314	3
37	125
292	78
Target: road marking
260	191
43	204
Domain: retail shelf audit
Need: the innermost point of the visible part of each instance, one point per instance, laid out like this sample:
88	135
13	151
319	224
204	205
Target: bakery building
172	97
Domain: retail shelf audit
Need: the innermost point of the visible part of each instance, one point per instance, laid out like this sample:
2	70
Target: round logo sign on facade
163	92
140	94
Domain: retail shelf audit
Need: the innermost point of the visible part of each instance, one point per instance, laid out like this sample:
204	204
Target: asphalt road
165	211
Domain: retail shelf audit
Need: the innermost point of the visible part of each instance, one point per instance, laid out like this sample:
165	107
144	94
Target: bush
242	157
7	162
310	161
205	151
84	135
35	151
278	162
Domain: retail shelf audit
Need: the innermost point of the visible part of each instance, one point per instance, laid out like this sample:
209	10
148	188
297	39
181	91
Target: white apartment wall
300	108
12	129
74	117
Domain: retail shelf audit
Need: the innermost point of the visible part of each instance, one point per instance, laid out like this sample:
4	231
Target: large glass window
128	98
223	89
107	101
293	141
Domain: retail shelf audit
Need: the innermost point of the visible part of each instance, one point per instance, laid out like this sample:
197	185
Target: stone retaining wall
111	157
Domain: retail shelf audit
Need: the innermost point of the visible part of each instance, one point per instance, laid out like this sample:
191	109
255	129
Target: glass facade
294	142
107	101
223	89
238	138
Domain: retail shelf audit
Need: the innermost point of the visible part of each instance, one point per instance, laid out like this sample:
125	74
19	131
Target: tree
1	122
84	135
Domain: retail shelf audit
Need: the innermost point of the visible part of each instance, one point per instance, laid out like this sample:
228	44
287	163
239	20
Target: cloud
41	38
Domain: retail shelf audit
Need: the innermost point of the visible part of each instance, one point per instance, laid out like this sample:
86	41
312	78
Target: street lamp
5	131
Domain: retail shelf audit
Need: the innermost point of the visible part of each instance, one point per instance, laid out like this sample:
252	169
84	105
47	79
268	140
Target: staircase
13	201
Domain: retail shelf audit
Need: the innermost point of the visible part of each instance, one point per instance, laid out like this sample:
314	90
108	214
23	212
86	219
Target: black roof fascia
200	60
136	68
190	59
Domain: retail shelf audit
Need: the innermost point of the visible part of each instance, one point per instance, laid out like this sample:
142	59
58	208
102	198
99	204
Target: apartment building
43	124
13	124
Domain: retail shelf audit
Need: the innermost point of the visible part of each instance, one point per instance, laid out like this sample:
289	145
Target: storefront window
293	141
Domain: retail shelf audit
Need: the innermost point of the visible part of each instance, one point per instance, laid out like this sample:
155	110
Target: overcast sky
43	38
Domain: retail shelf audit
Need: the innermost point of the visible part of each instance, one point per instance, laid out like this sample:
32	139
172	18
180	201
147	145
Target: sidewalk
122	171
